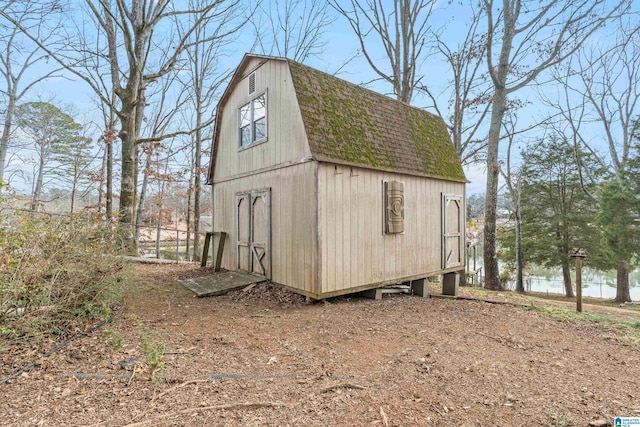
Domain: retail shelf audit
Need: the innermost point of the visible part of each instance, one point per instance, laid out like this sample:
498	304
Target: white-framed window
253	121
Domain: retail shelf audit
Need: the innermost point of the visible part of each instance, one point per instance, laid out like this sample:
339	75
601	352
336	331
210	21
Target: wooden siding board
314	274
287	139
279	249
336	221
347	243
331	224
359	229
292	198
338	233
322	229
410	221
371	226
351	219
424	223
378	267
294	239
306	215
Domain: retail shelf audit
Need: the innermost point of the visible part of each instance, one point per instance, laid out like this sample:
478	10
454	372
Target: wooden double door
253	231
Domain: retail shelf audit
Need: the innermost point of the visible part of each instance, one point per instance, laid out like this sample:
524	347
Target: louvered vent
394	209
252	83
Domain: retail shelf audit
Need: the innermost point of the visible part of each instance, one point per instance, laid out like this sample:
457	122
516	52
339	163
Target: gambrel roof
348	124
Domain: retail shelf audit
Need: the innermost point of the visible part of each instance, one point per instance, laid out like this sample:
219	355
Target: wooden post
467	265
158	241
205	249
177	243
208	242
578	257
218	261
475	256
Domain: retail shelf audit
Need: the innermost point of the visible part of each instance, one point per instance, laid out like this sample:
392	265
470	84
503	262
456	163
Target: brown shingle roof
346	123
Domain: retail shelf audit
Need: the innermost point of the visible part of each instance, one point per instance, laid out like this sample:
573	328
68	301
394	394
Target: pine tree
619	219
50	130
558	187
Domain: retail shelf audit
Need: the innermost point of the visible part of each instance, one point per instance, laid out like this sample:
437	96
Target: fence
474	277
168	243
151	241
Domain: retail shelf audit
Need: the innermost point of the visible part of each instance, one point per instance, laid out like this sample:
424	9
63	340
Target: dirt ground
264	357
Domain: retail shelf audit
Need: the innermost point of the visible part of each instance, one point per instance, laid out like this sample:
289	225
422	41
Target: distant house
329	188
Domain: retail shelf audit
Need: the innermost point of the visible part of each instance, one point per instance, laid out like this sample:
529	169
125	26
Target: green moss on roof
347	123
434	146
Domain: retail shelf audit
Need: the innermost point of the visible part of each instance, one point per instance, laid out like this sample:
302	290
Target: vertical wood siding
326	221
353	249
293	222
286	138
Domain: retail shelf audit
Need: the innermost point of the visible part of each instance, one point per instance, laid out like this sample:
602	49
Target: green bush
55	271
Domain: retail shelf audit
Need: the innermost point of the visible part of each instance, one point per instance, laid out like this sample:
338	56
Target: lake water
593	288
594	283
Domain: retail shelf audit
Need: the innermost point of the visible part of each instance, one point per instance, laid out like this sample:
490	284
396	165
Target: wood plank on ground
220	283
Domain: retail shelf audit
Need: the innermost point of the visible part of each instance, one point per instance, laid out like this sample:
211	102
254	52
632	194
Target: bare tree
293	29
157	122
601	97
467	92
137	56
18	60
201	80
108	138
525	38
513	182
402	32
609	82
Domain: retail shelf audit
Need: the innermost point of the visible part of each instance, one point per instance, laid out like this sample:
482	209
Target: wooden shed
329	188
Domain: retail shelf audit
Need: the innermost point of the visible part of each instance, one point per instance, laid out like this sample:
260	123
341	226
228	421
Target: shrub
55	271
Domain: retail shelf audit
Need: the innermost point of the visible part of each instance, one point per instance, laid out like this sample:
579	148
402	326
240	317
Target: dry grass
55	272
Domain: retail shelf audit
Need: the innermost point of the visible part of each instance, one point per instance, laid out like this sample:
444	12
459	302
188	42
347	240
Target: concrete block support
420	287
373	293
450	283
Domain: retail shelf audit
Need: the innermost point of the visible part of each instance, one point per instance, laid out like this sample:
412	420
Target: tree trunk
127	181
6	133
143	195
196	190
189	220
566	278
492	280
498	75
35	201
73	193
519	259
103	169
109	182
622	281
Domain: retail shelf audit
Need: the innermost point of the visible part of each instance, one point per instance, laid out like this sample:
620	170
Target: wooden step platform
220	283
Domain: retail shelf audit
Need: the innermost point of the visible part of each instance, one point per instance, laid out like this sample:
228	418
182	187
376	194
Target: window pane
245	136
260	129
245	115
259	107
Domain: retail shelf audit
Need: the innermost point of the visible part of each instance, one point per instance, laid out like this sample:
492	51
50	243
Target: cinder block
420	287
373	293
450	283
